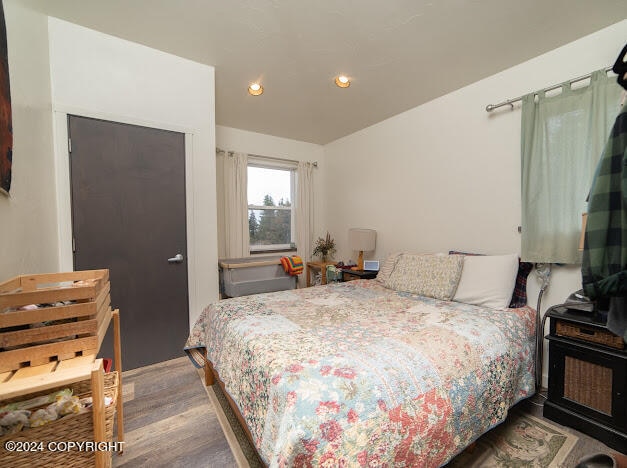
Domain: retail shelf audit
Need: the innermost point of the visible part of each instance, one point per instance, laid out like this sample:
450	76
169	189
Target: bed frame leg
209	379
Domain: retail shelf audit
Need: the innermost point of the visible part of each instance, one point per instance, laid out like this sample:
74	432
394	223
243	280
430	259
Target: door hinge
73	245
69	145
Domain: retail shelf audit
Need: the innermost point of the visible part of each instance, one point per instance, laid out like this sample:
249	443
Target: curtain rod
510	102
271	158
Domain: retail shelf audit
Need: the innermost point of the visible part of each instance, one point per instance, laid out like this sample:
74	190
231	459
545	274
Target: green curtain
562	140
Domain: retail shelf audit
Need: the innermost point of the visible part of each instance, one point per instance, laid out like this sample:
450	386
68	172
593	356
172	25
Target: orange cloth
292	265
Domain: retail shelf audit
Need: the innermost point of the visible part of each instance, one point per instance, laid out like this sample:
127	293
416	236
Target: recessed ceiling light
342	81
255	89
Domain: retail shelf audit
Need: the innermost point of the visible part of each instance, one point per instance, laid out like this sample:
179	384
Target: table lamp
362	240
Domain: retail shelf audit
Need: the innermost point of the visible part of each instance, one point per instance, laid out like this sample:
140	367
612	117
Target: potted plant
324	248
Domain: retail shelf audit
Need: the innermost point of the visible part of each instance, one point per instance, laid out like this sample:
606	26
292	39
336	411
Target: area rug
521	441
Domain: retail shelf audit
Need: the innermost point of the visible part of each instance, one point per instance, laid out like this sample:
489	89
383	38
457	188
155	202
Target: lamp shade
362	239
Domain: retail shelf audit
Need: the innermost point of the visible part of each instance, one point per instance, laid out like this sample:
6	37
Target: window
562	139
270	204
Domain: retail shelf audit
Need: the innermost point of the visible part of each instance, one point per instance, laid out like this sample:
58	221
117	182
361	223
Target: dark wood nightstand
587	376
350	275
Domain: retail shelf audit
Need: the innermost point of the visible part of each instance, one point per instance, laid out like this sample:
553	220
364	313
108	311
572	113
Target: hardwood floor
169	421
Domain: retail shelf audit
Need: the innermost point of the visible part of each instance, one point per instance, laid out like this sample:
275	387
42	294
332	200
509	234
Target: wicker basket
590	334
588	384
74	428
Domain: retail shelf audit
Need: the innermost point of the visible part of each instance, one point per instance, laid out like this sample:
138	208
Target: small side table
317	266
350	275
587	376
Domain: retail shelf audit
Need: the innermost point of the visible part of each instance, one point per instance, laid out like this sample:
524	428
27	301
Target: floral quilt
355	374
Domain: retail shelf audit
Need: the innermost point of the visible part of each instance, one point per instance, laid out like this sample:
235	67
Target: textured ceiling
399	53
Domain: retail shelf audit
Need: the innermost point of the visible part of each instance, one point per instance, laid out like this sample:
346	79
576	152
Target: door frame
64	199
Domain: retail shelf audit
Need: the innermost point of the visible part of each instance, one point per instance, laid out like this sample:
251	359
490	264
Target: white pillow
487	280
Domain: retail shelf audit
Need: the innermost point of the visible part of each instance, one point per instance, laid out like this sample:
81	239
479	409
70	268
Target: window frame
277	166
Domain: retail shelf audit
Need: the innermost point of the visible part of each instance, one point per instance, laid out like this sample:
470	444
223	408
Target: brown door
128	215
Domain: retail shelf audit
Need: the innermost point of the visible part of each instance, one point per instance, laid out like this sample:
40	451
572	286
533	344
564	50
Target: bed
359	374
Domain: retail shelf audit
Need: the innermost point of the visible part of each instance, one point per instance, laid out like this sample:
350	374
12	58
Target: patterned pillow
434	276
519	296
388	267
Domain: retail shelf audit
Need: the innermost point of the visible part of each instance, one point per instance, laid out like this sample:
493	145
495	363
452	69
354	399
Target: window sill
271	251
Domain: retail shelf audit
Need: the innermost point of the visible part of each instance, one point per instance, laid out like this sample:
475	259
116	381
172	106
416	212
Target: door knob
178	258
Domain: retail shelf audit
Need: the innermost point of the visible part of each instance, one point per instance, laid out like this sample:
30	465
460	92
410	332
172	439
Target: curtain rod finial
489	108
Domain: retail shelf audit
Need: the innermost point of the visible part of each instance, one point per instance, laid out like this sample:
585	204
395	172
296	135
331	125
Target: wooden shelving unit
35	359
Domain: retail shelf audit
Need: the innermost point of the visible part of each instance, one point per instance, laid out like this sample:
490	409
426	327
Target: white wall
232	139
440	176
98	75
28	238
446	175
